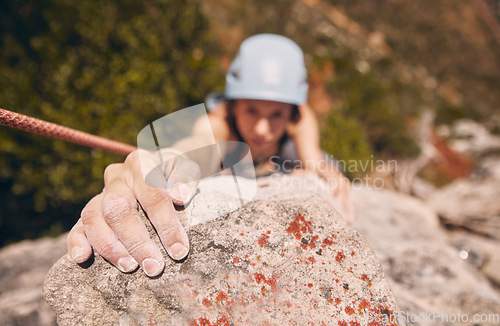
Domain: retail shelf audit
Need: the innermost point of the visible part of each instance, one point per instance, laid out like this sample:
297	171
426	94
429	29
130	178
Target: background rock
22	270
484	253
424	268
471	137
472	203
273	262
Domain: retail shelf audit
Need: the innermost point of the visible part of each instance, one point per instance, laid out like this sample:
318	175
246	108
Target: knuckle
136	247
106	249
133	158
111	172
156	196
170	231
115	209
89	212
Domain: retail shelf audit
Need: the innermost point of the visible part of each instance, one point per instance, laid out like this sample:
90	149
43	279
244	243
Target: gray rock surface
472	203
484	253
272	262
22	270
422	263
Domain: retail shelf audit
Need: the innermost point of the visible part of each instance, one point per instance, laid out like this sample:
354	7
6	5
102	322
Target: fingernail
152	267
127	264
177	251
184	191
77	255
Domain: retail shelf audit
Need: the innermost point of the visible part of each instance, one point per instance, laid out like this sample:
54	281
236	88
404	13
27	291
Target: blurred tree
457	41
104	67
377	103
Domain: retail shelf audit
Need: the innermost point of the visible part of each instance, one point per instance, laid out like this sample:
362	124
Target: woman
266	92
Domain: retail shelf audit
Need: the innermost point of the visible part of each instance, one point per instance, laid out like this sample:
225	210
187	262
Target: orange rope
44	128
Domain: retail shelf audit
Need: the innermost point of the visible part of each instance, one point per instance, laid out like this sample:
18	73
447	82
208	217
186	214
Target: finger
78	246
162	214
157	203
119	208
103	239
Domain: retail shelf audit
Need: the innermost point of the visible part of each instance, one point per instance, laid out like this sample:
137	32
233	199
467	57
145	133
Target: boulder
286	258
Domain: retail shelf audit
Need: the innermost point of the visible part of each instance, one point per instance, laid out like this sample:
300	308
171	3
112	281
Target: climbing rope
44	128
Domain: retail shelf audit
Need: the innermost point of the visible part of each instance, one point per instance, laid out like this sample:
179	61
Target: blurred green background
111	67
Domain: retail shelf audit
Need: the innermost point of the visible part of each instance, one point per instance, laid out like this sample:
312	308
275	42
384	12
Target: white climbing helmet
268	67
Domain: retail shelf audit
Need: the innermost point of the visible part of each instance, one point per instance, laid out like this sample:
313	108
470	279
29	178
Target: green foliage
457	43
376	104
370	117
450	112
104	67
344	138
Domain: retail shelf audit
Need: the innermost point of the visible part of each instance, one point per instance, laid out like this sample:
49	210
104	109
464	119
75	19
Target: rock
287	260
422	265
22	271
472	203
470	137
484	253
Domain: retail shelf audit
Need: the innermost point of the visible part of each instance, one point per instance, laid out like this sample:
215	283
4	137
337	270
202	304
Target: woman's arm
305	134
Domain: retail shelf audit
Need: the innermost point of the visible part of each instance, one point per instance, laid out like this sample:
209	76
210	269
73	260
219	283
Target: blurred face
261	124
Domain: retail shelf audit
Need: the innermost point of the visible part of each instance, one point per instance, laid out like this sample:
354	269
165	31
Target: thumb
182	181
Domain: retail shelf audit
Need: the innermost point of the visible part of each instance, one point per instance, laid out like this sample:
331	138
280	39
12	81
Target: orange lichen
259	277
364	304
269	281
299	226
222	296
264	238
206	302
349	310
340	256
236	259
326	242
202	321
